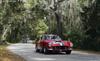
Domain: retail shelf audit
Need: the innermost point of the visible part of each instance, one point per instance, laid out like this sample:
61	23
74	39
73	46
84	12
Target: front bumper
60	48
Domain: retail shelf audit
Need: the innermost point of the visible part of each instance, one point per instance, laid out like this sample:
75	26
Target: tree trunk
5	31
59	24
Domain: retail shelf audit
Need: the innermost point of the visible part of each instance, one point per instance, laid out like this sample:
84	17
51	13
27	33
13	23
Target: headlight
71	44
49	44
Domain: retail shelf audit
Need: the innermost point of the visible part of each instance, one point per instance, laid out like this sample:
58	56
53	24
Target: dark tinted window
51	37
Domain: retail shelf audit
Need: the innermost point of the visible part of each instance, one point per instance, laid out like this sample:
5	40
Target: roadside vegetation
77	20
6	55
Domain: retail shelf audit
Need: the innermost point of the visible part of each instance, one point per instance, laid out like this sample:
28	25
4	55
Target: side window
43	38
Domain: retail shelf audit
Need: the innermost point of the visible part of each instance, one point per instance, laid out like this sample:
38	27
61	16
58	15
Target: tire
37	50
68	52
41	50
45	50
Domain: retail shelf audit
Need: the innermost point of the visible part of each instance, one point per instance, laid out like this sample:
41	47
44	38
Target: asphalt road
27	51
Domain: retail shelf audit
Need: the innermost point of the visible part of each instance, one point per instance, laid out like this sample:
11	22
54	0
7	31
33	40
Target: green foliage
41	27
74	36
91	21
78	20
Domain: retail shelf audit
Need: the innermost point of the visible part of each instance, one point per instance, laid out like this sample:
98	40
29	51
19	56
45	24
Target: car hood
59	43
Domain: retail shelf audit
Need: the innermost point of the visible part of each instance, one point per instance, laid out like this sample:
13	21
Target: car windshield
52	37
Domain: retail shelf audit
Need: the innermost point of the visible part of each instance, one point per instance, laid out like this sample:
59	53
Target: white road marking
44	59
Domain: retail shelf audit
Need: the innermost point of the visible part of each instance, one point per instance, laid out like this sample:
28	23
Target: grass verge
6	55
88	51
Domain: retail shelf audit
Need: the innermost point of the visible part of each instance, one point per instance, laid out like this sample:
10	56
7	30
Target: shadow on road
51	53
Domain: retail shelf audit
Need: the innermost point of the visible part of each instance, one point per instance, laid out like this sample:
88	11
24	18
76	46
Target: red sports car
53	43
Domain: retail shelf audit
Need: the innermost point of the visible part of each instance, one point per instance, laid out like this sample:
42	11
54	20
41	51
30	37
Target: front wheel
45	50
68	52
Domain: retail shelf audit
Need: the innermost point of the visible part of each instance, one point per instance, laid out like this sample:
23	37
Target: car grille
59	47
